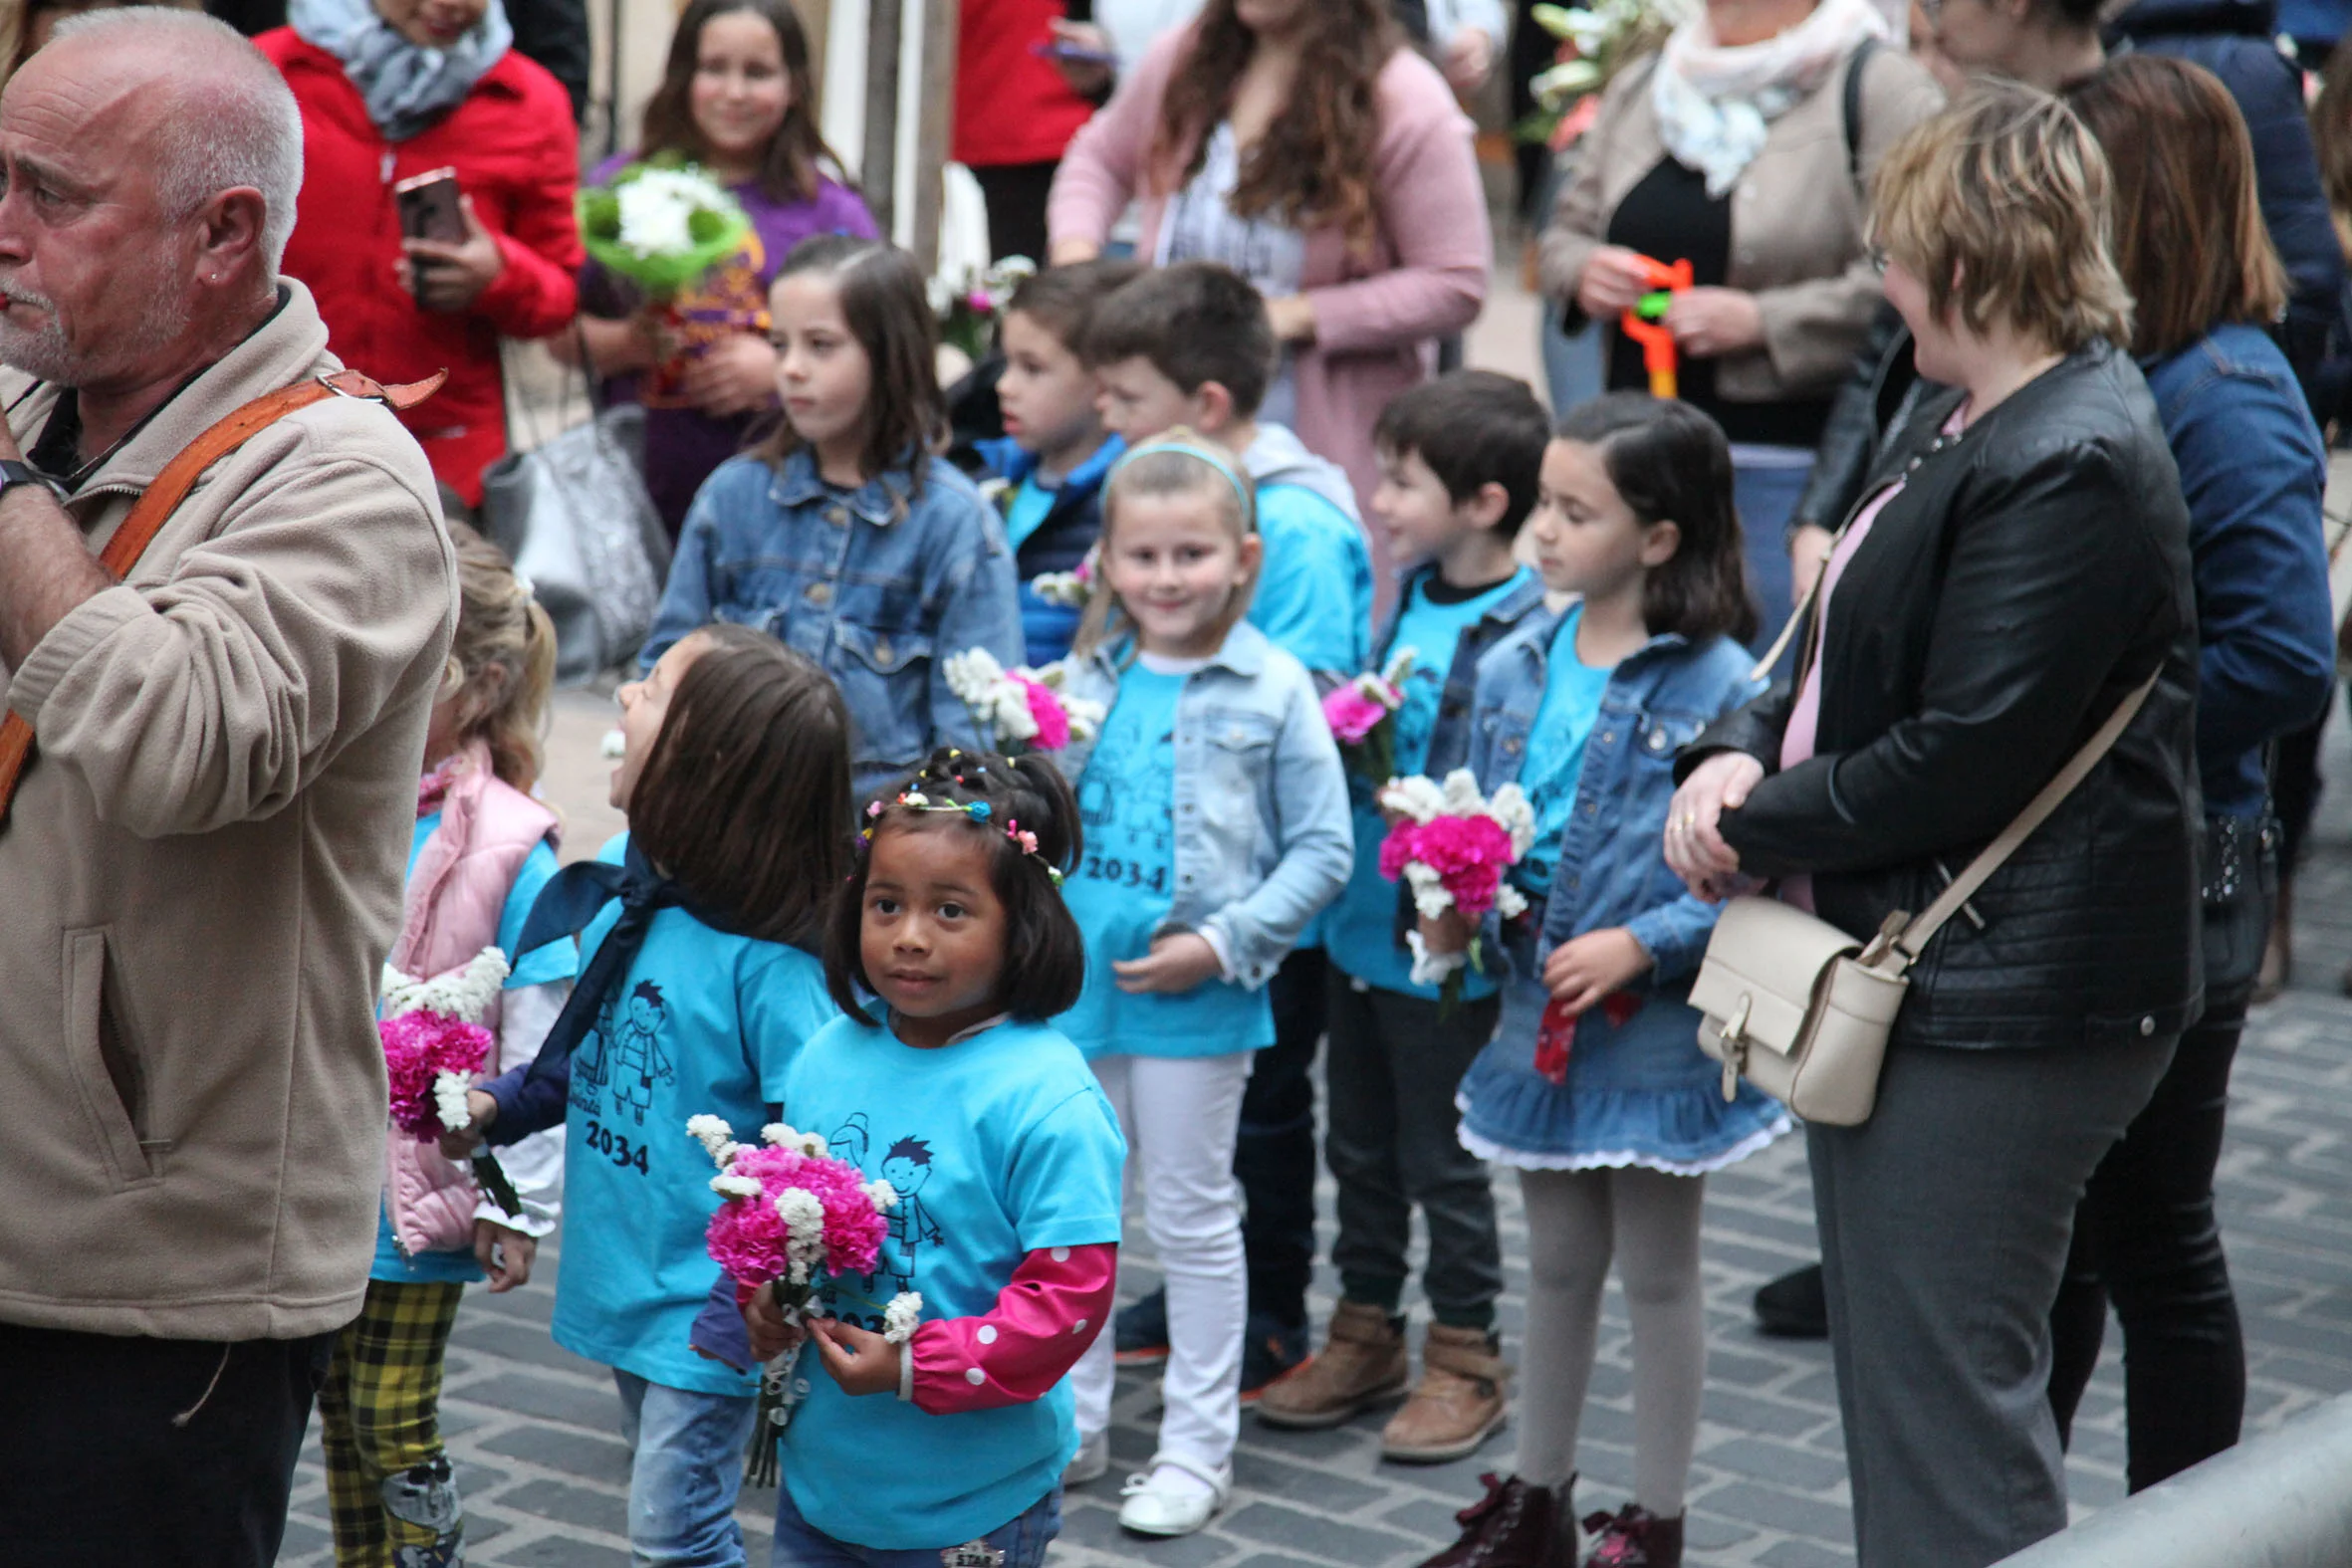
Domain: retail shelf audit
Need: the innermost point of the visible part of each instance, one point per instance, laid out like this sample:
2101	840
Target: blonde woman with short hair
2021	564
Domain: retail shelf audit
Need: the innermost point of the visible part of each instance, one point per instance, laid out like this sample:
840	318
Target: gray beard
49	355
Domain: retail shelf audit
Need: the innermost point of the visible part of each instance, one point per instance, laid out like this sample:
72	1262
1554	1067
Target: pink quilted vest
450	912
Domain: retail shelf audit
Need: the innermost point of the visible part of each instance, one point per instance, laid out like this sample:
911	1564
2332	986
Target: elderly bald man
200	870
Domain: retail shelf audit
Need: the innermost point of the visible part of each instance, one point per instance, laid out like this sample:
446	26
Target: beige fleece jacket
201	874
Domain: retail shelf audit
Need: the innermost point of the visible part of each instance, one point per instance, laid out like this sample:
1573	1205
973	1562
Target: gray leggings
1649	1221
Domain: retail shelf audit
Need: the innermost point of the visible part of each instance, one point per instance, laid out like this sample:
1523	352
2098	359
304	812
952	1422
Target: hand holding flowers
791	1211
434	1044
1452	847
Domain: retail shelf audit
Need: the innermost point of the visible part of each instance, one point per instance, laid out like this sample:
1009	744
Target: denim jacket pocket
884	678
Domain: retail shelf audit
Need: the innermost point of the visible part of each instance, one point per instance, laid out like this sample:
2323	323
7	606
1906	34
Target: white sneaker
1176	1497
1089	1463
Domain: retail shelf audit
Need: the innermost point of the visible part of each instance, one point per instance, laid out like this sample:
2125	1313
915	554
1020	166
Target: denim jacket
1263	836
1611	869
1449	737
875	585
2251	470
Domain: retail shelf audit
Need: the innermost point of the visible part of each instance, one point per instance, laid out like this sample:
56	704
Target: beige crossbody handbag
1803	1011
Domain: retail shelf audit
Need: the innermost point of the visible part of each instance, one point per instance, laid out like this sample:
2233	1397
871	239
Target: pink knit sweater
1377	313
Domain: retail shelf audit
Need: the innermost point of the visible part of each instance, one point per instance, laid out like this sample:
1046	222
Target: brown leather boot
1362	1362
1634	1537
1514	1525
1458	1401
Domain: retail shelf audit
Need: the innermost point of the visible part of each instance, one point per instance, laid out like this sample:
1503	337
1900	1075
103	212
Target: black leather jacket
2027	578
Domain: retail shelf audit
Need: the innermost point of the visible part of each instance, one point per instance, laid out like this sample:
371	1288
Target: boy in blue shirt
1190	344
1459	465
1049	465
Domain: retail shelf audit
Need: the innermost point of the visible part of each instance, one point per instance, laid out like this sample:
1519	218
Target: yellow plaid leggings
388	1485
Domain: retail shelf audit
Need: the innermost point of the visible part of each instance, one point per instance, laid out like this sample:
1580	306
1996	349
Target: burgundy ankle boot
1514	1525
1634	1537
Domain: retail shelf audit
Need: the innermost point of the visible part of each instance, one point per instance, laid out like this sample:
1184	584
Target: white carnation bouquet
1023	710
1453	848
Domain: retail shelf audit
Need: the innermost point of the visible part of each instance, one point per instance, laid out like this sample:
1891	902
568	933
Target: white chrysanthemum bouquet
1023	710
662	224
1452	847
434	1048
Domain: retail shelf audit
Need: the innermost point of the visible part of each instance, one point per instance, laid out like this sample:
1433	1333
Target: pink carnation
746	1234
1046	708
1469	854
1351	715
417	1048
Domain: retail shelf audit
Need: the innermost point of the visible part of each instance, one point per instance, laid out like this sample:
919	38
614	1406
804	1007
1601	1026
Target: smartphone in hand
427	204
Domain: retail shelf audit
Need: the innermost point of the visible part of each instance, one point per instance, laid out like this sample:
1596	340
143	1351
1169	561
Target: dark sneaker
1143	1331
1268	1349
1794	1306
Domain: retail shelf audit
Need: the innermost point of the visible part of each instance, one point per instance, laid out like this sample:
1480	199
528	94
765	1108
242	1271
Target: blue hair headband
1241	489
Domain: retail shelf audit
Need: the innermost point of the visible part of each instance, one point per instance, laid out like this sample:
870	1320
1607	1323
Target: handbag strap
170	486
1913	938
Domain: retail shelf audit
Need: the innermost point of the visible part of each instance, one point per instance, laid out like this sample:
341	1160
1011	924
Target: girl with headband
1216	825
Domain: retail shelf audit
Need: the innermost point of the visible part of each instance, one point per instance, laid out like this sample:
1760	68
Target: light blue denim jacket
877	586
1263	836
1611	869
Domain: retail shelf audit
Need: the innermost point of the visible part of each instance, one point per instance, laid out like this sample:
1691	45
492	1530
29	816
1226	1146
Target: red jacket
516	152
1012	104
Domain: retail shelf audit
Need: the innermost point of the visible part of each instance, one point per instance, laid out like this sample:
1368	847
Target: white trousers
1180	1115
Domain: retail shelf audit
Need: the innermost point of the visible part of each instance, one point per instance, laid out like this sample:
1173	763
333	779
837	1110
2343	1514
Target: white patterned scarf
408	87
1716	105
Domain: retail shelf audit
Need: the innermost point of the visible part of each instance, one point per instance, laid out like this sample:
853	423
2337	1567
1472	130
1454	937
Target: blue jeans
686	1468
1766	499
799	1544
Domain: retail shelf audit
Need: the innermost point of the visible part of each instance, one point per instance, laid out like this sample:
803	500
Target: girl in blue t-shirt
1594	1086
483	850
948	1444
1217	826
698	985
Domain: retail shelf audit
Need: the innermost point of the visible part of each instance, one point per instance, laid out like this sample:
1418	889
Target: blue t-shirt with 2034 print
552	962
1360	928
999	1145
1125	885
703	1021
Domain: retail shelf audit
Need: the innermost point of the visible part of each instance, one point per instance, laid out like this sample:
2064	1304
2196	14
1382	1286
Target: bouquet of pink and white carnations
434	1045
792	1209
1363	715
1453	848
1023	710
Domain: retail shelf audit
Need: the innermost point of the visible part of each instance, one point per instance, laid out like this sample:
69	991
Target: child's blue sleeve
1064	1188
1315	590
783	1002
686	599
1316	829
981	611
1674	935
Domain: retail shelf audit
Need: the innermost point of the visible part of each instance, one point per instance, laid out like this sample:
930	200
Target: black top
1670	216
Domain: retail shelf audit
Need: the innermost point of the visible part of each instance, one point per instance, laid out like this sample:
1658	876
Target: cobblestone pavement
533	1429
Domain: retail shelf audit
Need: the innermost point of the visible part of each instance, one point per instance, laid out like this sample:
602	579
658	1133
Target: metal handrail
2282	1500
